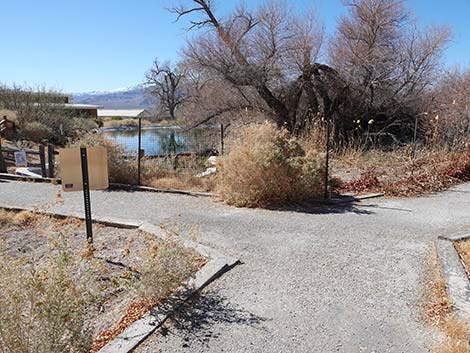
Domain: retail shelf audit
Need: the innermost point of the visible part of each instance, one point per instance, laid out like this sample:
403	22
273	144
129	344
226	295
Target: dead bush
157	272
36	131
42	306
121	169
266	166
162	267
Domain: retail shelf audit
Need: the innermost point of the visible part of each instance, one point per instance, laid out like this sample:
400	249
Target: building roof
82	106
125	113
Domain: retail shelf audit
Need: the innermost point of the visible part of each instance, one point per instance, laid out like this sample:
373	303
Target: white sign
20	159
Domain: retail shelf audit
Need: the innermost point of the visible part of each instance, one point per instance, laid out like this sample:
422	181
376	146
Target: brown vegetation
399	174
438	310
267	60
40	115
265	166
166	173
53	299
114	123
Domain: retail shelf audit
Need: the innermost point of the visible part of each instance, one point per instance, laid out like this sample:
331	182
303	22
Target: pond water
164	140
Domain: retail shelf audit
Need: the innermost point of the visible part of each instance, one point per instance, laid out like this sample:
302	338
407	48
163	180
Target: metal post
139	147
86	195
50	157
222	139
42	159
3	168
327	158
415	136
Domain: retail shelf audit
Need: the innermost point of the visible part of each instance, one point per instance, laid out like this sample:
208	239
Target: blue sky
86	45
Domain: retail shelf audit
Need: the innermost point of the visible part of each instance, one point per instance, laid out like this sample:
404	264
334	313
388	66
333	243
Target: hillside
127	98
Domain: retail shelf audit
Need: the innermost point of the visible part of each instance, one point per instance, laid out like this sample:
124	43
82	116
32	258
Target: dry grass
399	173
158	270
182	182
438	310
113	123
51	296
181	174
162	173
436	303
43	308
265	167
463	248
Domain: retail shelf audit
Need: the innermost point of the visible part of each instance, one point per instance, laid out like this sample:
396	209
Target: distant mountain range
123	98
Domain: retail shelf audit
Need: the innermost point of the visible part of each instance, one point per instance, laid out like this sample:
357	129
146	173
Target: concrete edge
105	221
135	334
457	282
369	196
8	176
201	249
129	187
344	199
112	186
455	237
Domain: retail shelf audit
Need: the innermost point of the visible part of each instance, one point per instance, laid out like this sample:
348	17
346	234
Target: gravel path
312	280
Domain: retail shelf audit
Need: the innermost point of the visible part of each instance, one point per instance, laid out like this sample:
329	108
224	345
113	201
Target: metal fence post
50	157
42	159
327	158
139	147
415	135
86	194
3	168
221	139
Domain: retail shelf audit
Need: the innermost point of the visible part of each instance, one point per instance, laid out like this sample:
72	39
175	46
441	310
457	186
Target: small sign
20	159
71	168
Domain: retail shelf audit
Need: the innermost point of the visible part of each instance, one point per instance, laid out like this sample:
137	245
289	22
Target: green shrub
265	166
36	131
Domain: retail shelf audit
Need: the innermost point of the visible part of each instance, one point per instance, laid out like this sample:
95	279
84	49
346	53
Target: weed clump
265	166
43	307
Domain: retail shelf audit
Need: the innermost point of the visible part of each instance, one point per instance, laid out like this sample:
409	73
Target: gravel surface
312	279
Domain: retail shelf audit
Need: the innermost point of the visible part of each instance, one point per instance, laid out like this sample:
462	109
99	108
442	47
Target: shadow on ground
323	208
194	321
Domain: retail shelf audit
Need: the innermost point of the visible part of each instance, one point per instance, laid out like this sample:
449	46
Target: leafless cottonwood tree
380	63
390	63
448	118
266	58
166	82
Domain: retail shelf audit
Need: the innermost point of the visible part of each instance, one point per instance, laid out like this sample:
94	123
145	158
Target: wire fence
168	151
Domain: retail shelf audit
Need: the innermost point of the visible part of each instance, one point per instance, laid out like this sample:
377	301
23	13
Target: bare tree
388	60
447	120
381	64
165	82
266	58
